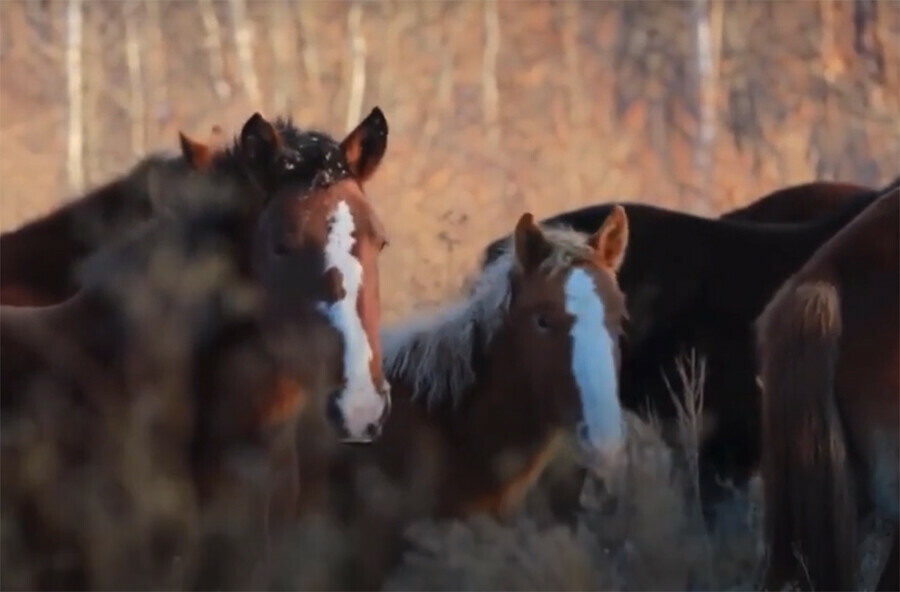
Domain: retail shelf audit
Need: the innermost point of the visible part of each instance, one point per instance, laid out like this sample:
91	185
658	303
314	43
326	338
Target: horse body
39	261
830	365
687	297
800	203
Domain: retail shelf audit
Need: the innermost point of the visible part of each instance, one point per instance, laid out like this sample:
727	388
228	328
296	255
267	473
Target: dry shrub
482	554
637	530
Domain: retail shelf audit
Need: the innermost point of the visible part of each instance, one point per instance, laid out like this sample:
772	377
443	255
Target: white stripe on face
359	403
593	365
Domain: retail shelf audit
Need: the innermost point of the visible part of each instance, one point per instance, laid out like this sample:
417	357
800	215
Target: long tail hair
810	502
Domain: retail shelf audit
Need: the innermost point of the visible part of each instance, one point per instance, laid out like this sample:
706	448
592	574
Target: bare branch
489	71
707	16
75	144
243	41
310	55
137	109
358	65
213	45
281	55
156	59
577	116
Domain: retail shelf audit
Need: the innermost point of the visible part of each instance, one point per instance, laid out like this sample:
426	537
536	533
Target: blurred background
494	107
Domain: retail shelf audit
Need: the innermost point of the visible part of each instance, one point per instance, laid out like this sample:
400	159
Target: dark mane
216	213
322	160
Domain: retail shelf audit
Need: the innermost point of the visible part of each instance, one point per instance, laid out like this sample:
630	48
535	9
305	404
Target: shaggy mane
434	351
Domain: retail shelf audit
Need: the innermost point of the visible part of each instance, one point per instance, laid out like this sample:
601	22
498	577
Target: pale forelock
433	351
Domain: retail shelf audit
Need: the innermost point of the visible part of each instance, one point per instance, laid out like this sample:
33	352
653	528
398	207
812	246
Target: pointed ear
611	240
259	140
197	154
531	246
365	145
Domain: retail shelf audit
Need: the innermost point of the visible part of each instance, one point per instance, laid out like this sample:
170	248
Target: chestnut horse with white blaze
327	226
829	351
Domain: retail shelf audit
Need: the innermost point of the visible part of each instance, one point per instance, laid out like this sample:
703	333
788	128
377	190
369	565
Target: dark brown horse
693	298
269	158
303	256
800	203
829	352
488	389
39	262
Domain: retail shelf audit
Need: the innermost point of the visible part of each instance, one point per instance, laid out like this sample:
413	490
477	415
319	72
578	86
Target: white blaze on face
359	403
593	365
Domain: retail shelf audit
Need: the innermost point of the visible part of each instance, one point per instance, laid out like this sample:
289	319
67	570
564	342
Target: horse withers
40	261
829	353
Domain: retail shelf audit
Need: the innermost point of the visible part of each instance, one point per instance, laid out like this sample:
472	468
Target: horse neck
478	431
747	262
43	254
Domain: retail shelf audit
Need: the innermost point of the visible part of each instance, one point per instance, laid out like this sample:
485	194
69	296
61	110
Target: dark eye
541	322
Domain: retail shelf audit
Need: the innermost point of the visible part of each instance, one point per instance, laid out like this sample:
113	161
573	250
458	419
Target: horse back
799	203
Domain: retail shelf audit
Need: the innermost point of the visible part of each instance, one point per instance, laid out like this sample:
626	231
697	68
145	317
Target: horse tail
810	502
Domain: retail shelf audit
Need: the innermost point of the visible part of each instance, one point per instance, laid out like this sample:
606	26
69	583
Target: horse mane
322	154
434	351
213	210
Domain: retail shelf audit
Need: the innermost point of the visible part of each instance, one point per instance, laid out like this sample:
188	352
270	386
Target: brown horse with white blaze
829	352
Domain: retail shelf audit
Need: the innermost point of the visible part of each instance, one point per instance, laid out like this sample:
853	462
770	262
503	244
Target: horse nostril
332	411
583	434
373	430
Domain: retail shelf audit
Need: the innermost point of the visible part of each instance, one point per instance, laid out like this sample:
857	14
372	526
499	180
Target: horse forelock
434	351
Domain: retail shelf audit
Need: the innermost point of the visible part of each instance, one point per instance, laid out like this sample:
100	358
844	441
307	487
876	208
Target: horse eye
541	322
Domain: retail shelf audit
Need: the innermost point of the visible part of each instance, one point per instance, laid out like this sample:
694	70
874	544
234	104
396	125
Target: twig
310	55
358	66
213	45
282	56
707	16
577	119
689	408
489	71
156	59
243	41
75	144
137	109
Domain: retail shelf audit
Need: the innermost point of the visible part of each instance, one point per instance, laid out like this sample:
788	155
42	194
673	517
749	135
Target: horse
829	354
304	253
66	237
486	391
270	156
685	298
800	203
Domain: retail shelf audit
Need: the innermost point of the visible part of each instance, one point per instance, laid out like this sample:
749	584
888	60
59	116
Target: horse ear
197	154
531	246
364	147
259	140
611	240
